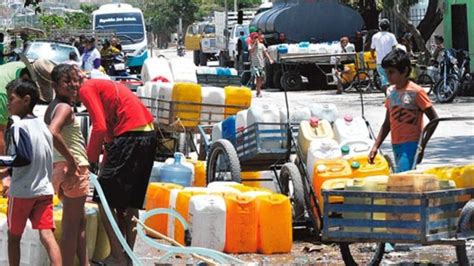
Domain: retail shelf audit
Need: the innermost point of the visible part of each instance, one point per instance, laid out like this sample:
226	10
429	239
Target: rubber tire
196	57
425	79
203	58
465	225
245	78
349	260
277	74
358	83
223	146
269	72
290	173
439	84
291	81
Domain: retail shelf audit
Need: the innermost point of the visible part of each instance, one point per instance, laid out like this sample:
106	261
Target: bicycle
426	77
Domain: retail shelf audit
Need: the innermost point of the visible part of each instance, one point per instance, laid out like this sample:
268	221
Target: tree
53	21
80	20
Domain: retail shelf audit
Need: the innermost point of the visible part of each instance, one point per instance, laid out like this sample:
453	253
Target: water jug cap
321	168
345	149
355	165
313	122
177	157
348	118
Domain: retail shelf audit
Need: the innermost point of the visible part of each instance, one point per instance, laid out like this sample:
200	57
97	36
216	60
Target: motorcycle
454	72
116	65
181	49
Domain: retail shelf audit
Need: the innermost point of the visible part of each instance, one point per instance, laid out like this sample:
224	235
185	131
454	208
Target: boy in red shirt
406	104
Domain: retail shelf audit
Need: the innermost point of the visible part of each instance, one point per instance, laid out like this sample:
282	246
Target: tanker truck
304	23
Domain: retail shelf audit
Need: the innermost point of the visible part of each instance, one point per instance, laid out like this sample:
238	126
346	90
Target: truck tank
303	20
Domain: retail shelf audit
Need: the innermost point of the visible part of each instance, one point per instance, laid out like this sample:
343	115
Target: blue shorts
404	155
383	76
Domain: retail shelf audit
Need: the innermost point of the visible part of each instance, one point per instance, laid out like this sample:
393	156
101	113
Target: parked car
56	52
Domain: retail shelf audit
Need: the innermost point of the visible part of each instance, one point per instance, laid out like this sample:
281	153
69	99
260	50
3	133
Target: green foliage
49	22
163	15
78	20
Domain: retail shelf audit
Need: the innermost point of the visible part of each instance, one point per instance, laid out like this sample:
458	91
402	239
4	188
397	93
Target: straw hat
43	68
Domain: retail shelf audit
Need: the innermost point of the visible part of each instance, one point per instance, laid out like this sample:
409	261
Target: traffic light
240	17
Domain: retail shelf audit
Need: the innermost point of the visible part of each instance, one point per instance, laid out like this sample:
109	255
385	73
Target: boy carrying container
30	158
406	103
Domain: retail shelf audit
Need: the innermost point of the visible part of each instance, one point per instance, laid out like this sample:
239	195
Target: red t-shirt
113	110
406	107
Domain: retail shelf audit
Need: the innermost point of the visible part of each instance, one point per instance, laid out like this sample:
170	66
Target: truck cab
201	39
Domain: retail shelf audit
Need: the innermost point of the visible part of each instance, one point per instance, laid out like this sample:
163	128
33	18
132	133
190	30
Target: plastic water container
223	71
329	169
241	120
241	224
321	149
303	47
293	49
408	182
229	128
274	235
158	196
213	96
182	207
187	92
234	185
216	131
154	67
155	172
350	128
296	115
372	183
362	168
312	130
177	173
204	70
223	191
251	175
184	161
352	148
32	251
199	173
165	94
334	184
172	205
91	228
282	48
237	96
207	221
183	70
326	112
266	114
463	176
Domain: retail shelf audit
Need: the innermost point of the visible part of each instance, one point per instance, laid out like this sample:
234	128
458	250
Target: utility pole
235	6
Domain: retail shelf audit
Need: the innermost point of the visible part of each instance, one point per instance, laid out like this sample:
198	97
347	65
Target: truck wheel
277	79
196	57
222	60
203	59
291	81
269	74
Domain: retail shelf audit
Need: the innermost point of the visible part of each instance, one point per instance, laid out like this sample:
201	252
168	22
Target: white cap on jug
321	168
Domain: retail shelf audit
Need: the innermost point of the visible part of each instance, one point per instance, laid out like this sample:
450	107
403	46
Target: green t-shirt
2	49
9	72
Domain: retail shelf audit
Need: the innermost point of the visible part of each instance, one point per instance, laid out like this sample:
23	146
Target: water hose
112	221
217	256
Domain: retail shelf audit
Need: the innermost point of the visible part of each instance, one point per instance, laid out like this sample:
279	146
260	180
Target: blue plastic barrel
228	128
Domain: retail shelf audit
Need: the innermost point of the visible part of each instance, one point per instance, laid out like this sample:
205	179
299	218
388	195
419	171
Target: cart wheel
349	259
222	162
202	152
465	226
292	186
291	81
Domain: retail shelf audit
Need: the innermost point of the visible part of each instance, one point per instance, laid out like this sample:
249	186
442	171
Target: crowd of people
48	157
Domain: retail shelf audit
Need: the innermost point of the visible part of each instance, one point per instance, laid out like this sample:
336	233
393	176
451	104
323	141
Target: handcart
428	218
177	124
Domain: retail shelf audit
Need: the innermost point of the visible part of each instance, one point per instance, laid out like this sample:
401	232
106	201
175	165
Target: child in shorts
30	154
70	167
406	104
